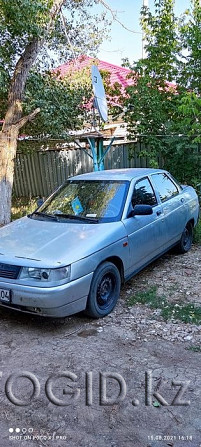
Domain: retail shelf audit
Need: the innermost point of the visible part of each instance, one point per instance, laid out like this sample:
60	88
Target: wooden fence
38	173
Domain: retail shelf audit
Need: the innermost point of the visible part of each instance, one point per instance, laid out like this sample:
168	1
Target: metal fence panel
38	173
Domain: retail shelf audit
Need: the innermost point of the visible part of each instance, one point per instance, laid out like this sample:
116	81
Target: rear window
165	186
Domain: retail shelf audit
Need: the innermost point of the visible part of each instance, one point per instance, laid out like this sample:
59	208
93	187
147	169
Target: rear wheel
186	239
104	291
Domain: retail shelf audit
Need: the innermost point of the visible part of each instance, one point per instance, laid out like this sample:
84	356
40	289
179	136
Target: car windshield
90	199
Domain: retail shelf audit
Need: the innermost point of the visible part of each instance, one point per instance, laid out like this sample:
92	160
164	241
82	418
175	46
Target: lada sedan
91	235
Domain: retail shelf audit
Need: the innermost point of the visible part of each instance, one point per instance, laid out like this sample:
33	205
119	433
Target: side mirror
141	210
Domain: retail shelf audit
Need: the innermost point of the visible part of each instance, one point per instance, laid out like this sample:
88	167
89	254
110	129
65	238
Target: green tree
182	153
190	36
28	30
150	108
161	41
61	102
151	101
164	104
184	148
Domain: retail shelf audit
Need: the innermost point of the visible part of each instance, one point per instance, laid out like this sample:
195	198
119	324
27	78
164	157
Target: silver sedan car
93	233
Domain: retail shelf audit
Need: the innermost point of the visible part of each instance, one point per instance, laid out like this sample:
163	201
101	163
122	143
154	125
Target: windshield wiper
77	217
39	213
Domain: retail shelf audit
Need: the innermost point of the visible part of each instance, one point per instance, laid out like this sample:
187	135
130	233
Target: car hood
31	242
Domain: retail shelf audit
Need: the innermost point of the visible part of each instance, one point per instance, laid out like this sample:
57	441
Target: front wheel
104	291
186	239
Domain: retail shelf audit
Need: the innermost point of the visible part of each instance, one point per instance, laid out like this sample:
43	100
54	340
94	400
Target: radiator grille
9	271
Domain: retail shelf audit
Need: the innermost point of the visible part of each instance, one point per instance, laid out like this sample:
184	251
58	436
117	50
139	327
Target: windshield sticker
76	205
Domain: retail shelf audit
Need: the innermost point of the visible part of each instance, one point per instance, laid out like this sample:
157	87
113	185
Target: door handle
158	213
182	200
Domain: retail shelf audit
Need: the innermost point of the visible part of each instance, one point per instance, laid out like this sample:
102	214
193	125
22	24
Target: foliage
22	206
22	21
149	297
64	102
190	36
197	233
28	31
162	45
81	31
194	348
188	313
148	115
60	101
189	107
163	109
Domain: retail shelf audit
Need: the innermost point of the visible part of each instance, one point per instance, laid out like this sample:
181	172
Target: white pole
145	4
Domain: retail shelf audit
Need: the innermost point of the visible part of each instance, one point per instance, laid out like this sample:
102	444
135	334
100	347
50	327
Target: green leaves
164	108
24	17
60	101
20	22
190	34
23	22
161	36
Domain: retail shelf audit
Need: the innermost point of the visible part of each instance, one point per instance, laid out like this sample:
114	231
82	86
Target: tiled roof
117	73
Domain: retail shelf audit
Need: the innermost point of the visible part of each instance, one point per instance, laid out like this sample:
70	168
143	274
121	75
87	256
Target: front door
145	233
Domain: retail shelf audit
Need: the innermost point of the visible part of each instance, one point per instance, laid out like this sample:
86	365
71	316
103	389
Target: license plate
5	295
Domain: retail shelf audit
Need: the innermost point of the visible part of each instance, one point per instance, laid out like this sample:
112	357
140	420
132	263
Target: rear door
174	206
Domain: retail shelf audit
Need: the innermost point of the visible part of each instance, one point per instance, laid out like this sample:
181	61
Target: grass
187	313
22	206
148	297
194	348
197	233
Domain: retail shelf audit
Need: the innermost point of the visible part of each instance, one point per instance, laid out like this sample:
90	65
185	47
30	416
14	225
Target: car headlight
50	275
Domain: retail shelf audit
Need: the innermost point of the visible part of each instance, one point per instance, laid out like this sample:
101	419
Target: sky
124	43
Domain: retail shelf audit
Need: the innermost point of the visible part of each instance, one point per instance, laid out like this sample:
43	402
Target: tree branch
114	16
27	118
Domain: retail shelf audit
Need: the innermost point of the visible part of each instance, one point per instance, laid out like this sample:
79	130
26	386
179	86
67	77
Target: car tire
104	291
186	239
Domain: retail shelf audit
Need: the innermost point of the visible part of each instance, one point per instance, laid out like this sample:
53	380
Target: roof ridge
84	57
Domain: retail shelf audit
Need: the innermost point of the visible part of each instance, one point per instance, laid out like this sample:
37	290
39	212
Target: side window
165	186
143	193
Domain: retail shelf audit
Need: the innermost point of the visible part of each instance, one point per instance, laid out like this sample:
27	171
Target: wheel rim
186	238
105	291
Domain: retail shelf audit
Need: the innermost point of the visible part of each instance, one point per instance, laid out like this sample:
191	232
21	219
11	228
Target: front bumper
59	301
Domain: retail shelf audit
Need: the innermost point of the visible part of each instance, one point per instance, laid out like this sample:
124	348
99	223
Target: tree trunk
8	146
13	120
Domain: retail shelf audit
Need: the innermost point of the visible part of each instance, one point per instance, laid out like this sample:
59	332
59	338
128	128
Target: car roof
116	174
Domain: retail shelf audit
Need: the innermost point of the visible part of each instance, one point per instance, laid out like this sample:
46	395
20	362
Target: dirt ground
70	400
